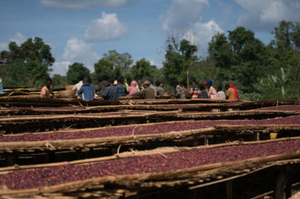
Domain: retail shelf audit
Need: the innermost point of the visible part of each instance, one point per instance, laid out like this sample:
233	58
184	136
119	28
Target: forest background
258	70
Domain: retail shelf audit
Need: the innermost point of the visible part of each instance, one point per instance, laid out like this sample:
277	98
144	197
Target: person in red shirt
236	93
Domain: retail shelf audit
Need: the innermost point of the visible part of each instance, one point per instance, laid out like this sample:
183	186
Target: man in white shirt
77	86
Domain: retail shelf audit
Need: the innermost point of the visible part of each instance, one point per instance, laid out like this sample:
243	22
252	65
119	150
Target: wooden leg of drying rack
229	189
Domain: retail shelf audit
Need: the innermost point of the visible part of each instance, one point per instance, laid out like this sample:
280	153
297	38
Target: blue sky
81	31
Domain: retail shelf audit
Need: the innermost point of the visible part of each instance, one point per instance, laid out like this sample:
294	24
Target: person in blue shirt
86	92
121	87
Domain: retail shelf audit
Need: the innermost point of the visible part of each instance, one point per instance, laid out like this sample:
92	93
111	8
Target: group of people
207	91
111	89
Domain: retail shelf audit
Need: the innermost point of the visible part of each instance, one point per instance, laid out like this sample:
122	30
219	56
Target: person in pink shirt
132	88
212	93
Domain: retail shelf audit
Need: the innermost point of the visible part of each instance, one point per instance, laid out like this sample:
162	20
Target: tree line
258	70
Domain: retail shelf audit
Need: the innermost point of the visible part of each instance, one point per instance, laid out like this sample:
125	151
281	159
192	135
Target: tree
59	81
220	51
178	58
123	61
103	68
241	58
142	68
283	35
75	71
26	65
295	38
113	65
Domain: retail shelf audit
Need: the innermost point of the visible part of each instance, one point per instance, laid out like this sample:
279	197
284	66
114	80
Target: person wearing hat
147	92
212	93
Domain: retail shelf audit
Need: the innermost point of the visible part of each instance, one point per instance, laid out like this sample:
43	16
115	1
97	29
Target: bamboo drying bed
203	105
94	119
223	131
128	101
193	177
53	102
247	114
99	119
57	110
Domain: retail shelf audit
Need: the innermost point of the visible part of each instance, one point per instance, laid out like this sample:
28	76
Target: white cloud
186	15
266	14
183	13
106	28
18	38
78	50
152	63
3	46
81	4
201	35
60	67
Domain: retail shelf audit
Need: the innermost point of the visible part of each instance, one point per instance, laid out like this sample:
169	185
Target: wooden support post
257	136
229	189
205	140
10	159
196	141
288	189
197	194
283	183
288	184
279	187
50	157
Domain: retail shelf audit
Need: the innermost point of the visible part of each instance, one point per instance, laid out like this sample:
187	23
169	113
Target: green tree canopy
178	58
75	71
241	58
113	65
141	69
26	65
59	81
123	61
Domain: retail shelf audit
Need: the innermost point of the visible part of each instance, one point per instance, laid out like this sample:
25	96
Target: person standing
212	93
86	92
185	90
47	90
111	91
194	91
147	92
179	92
